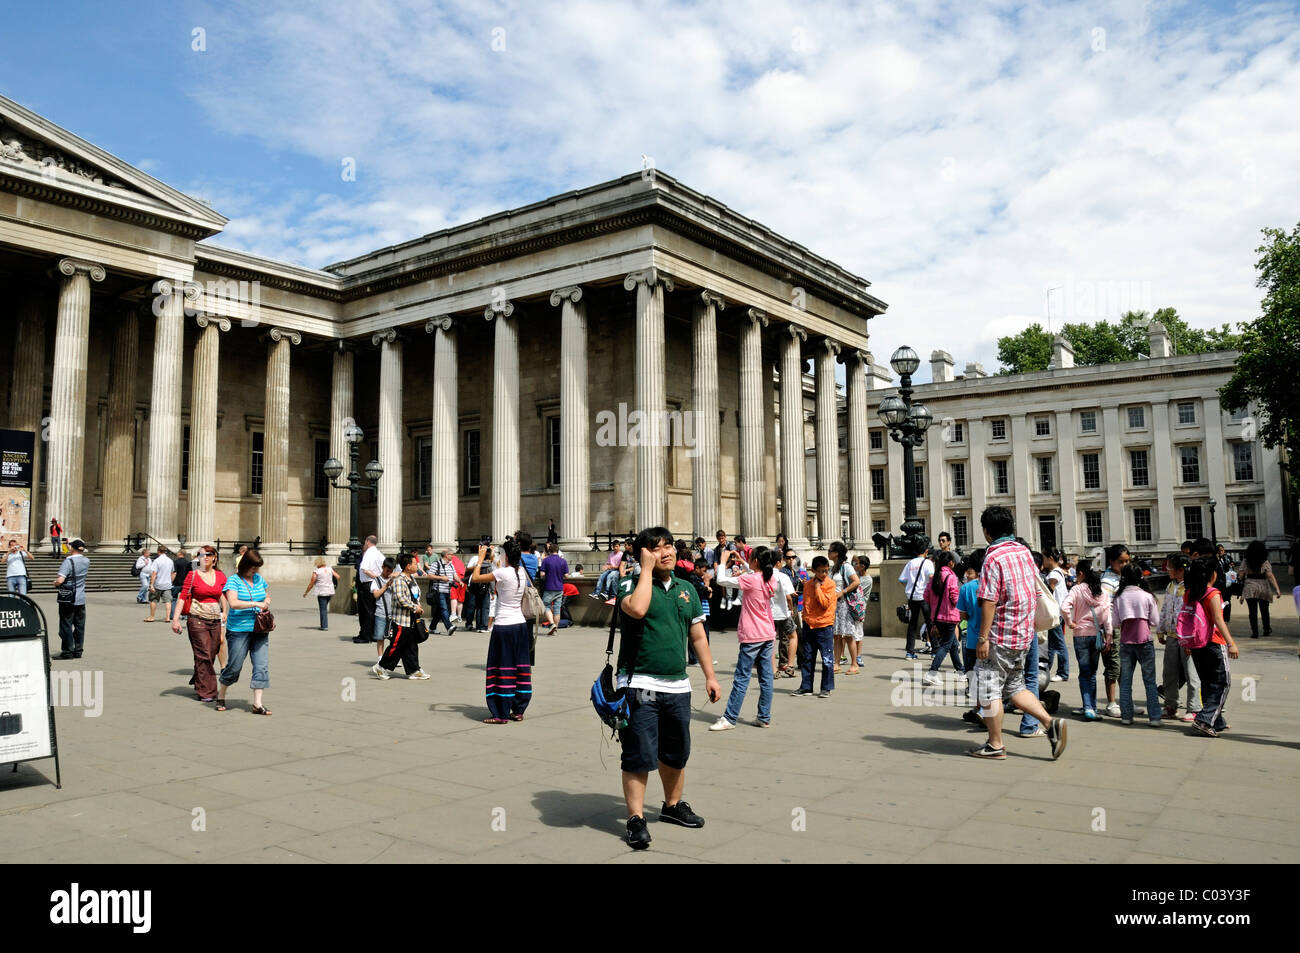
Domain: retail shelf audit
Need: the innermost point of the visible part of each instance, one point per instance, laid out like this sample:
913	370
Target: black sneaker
1056	733
360	640
680	813
973	717
451	630
638	835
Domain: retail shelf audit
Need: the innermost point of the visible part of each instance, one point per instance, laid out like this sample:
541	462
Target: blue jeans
440	610
476	607
817	642
323	603
381	629
1029	722
1130	656
17	584
238	646
1056	652
1087	654
751	652
605	584
143	595
946	644
554	600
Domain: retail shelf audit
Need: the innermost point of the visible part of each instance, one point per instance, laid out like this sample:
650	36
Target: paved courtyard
355	770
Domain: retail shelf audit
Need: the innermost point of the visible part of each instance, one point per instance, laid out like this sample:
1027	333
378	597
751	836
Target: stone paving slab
351	769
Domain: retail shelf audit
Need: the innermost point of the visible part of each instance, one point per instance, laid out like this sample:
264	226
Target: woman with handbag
509	666
1258	588
203	603
248	629
848	618
941	599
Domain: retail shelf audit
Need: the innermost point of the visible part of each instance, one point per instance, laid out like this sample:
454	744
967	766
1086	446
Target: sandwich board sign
26	712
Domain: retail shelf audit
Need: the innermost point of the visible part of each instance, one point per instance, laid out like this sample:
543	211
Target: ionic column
389	493
163	485
201	525
444	503
828	443
706	465
275	444
860	449
341	417
651	395
794	486
505	421
575	463
119	447
753	390
27	400
67	431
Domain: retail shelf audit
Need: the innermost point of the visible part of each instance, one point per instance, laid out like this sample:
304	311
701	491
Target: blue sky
964	157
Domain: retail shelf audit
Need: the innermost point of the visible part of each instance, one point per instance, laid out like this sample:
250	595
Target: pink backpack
1193	626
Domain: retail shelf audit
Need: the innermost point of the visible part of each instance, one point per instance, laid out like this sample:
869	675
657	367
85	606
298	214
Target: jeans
1212	665
751	653
1086	653
72	627
477	606
946	645
439	610
605	584
1029	722
143	595
817	642
238	646
1251	607
1179	671
17	584
323	603
1130	656
1056	652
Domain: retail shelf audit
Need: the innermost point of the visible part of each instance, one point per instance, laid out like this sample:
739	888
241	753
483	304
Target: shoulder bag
854	601
905	611
66	593
530	603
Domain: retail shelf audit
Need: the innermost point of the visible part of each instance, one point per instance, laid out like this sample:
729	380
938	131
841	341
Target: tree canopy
1105	342
1269	366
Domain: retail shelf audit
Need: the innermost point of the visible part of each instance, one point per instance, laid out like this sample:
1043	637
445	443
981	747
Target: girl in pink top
1136	613
757	633
941	599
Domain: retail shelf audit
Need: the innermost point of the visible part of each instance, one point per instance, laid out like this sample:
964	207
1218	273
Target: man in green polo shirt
659	612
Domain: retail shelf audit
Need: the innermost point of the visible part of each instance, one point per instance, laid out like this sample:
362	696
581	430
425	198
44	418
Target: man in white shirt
161	571
784	604
915	577
1055	578
142	564
368	570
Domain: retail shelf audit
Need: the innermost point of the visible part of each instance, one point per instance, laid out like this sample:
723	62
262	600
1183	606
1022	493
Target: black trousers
72	627
403	647
365	610
1251	606
914	623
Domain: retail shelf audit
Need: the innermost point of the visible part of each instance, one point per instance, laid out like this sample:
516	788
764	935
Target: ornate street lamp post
907	423
1214	532
333	469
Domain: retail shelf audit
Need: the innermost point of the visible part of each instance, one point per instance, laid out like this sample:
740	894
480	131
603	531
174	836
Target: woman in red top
205	609
1211	660
941	598
457	589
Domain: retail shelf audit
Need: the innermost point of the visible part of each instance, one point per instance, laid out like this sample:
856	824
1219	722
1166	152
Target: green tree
1100	343
1269	366
1026	352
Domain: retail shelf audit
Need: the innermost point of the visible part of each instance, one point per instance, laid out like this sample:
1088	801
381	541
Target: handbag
530	603
421	631
1047	612
11	724
66	594
263	622
854	602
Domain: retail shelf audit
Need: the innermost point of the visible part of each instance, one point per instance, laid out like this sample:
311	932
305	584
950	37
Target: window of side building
1001	483
1091	471
1243	462
1137	461
958	479
1137	418
1087	421
1190	464
877	484
960	532
877	438
1247	525
1186	412
999	429
1042	426
1044	474
918	476
1142	525
878	526
1092	525
1194	528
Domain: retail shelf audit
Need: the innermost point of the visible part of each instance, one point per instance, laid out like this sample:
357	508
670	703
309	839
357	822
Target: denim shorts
658	730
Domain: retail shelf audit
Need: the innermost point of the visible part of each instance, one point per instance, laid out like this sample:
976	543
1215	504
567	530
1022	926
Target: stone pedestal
344	603
891	597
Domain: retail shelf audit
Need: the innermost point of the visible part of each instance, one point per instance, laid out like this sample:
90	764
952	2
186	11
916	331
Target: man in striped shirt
1008	595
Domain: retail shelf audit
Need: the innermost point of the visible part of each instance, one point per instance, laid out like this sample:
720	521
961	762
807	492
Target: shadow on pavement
472	712
944	745
601	812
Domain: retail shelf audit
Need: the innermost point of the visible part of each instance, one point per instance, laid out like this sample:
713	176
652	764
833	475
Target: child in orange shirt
819	598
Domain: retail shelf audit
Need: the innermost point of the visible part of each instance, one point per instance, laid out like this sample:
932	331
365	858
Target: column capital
442	322
504	308
713	298
388	335
571	293
283	334
71	266
649	277
220	323
756	316
832	348
796	332
855	355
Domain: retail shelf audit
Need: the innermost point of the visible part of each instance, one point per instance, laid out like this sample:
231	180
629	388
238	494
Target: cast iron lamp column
907	423
333	469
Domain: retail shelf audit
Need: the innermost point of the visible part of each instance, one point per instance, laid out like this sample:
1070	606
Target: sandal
495	721
853	671
221	704
516	717
257	710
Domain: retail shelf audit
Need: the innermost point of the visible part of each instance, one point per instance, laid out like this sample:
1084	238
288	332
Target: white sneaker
1113	709
419	674
721	725
378	672
1057	678
931	678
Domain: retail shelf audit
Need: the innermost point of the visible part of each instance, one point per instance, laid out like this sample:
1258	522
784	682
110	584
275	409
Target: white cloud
963	160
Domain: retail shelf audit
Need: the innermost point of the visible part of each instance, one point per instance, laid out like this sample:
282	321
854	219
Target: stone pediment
45	161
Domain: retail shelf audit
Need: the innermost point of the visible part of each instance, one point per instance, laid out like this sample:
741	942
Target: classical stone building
185	389
1139	452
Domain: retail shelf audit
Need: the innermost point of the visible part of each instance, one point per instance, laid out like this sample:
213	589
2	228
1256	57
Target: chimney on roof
1062	352
1161	344
878	377
940	367
975	369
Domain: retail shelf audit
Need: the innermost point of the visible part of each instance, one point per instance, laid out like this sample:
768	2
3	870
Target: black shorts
658	730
